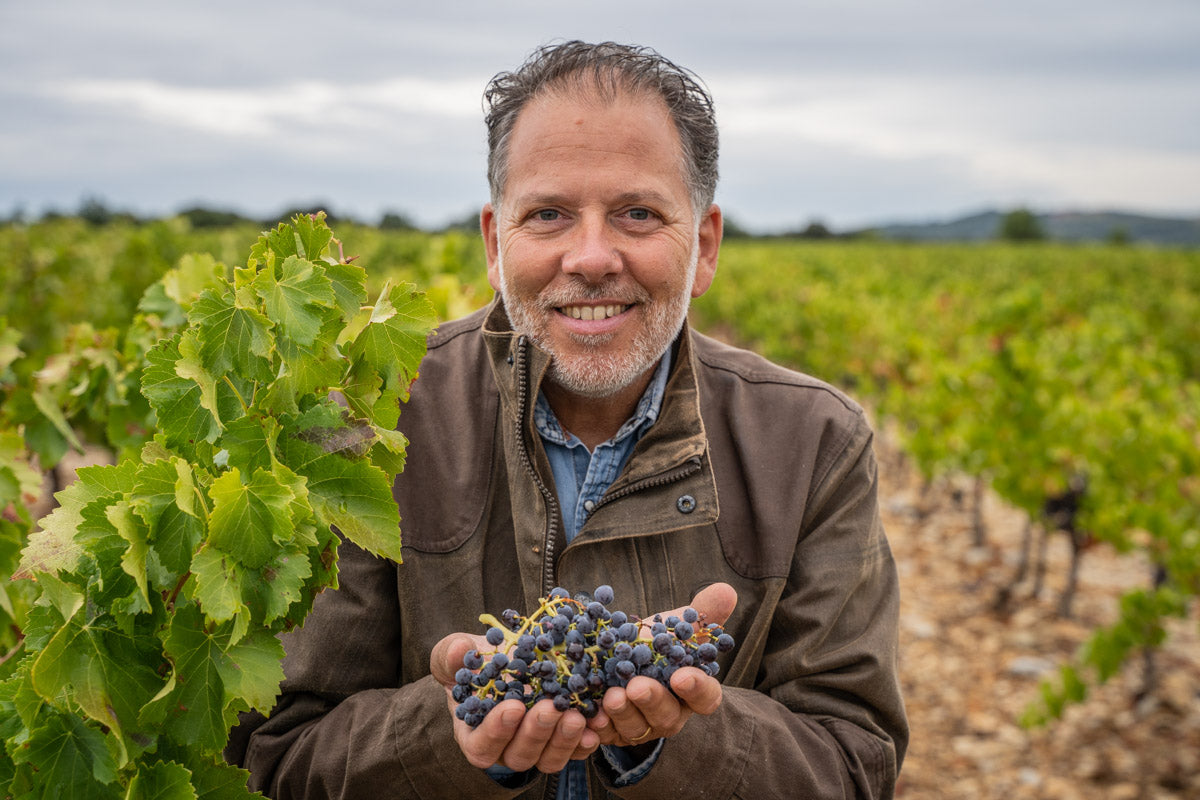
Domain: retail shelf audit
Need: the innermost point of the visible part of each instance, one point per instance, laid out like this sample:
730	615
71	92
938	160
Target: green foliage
271	401
1026	365
1021	225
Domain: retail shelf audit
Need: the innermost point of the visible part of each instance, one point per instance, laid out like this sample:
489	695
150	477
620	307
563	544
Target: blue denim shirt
581	479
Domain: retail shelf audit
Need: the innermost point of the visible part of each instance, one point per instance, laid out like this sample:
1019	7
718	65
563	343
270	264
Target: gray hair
610	70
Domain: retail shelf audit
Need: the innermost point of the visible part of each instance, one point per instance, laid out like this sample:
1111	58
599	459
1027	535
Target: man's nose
592	251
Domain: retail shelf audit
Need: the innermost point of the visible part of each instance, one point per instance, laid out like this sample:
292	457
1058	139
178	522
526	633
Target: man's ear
488	227
709	242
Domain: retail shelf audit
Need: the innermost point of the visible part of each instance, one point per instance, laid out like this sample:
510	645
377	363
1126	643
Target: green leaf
349	493
176	536
107	672
390	450
197	712
54	414
221	781
279	584
298	300
195	273
250	442
249	521
219	584
121	516
162	484
305	235
54	548
253	669
71	758
190	366
161	781
234	337
393	344
176	400
306	369
349	287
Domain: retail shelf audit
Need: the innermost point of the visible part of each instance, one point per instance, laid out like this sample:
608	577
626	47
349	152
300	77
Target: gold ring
644	734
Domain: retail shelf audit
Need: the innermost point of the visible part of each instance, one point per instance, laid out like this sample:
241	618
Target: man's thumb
715	603
447	656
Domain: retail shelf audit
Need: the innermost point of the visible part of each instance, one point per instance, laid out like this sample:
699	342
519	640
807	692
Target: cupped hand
646	710
510	735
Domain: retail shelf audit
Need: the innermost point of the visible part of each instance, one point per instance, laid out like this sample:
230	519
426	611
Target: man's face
595	249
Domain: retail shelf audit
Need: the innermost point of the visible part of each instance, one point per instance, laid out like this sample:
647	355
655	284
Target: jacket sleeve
825	718
343	726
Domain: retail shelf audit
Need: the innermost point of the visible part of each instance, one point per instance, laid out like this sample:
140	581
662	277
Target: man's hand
646	710
541	737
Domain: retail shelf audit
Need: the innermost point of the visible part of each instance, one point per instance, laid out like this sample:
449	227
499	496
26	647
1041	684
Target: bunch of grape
572	650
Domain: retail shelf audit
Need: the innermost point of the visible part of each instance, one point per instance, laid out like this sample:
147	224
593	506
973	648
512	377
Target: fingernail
511	717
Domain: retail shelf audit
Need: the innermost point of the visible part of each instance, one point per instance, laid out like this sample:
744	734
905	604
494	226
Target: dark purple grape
603	594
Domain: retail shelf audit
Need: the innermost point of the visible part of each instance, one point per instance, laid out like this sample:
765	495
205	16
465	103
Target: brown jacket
811	706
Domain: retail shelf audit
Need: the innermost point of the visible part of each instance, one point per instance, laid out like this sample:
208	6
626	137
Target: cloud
268	111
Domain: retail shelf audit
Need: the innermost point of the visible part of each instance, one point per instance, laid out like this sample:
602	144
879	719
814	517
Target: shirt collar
643	417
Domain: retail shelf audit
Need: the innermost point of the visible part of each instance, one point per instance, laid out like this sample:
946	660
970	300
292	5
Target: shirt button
686	504
589	506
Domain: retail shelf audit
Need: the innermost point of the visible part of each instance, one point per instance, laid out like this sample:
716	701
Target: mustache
580	291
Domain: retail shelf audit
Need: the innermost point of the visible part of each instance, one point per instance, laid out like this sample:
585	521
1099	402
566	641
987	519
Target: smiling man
575	433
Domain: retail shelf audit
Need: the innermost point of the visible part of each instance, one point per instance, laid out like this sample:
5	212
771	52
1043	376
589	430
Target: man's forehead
589	97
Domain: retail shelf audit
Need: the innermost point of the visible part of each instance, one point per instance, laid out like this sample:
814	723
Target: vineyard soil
968	669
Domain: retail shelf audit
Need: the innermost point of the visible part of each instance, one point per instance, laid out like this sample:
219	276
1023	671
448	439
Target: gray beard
601	373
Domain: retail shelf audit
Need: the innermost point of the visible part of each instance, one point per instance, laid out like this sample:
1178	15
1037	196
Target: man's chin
595	384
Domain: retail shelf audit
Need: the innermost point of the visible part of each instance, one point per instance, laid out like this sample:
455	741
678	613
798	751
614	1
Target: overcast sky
846	111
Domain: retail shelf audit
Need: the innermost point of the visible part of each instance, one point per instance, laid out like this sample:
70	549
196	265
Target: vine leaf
249	519
296	300
106	671
233	337
71	759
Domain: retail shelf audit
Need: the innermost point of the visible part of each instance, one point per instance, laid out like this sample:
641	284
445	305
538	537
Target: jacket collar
520	366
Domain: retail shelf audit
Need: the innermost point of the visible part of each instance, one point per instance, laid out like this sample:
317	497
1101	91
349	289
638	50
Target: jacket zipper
548	495
552	514
690	467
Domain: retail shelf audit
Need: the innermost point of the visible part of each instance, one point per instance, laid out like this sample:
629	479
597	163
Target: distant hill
1060	226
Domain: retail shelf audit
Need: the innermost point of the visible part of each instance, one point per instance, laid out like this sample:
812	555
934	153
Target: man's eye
546	215
639	214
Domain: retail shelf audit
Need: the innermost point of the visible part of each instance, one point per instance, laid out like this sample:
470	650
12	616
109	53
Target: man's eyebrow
633	197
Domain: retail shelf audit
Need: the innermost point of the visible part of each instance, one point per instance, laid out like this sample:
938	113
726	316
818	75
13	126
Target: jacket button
686	504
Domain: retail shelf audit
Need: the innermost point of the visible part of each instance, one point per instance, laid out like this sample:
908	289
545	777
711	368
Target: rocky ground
969	669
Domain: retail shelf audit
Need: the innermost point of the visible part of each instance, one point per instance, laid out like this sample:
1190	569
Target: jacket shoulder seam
771	373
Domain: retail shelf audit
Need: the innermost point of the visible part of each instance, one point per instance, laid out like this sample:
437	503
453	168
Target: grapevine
571	650
166	578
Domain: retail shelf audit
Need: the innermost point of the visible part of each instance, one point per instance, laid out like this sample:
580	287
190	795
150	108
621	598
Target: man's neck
596	419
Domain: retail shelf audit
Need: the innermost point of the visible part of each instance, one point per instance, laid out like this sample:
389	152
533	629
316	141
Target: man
577	433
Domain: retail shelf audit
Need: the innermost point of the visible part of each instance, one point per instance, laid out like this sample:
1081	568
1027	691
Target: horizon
848	114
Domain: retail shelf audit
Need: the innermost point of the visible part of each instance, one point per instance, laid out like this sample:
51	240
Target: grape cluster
572	650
